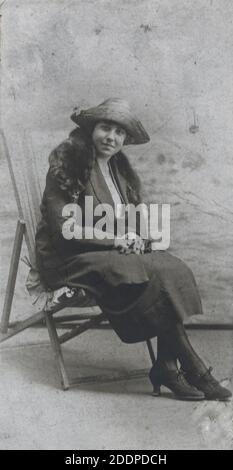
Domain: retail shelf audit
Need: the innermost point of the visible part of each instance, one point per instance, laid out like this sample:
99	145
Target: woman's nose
111	135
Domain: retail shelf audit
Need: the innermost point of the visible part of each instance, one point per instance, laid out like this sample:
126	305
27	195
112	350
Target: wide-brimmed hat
115	110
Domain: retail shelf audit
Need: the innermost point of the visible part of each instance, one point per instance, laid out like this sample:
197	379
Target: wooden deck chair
28	179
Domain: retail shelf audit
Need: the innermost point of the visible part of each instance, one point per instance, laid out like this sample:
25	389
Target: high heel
175	381
156	388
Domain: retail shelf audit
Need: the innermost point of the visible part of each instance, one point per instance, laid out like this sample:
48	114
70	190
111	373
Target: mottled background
172	59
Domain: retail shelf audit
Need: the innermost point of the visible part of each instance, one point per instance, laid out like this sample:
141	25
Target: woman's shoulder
68	161
76	142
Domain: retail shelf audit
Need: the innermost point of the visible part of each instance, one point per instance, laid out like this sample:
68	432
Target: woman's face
108	138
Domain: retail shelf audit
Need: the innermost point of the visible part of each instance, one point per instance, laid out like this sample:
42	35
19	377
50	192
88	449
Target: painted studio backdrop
172	59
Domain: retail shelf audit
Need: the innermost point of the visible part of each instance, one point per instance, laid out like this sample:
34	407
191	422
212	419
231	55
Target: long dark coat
139	293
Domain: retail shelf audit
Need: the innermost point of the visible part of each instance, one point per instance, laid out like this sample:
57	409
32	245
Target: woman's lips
108	146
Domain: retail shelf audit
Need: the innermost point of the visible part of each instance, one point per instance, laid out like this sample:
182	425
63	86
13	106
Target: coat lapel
99	187
120	180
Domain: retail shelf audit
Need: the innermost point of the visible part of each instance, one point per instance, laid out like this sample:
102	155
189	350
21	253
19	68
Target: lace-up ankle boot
206	383
175	381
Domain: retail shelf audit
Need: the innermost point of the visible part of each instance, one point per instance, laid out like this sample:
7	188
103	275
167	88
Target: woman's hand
138	246
132	243
122	245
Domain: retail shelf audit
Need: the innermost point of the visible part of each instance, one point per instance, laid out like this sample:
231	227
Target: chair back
27	156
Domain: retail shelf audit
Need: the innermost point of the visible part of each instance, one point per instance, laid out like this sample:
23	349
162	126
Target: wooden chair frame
79	322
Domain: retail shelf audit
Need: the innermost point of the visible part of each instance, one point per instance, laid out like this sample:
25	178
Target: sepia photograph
116	249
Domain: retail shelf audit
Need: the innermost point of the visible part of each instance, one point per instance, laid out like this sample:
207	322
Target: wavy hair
72	161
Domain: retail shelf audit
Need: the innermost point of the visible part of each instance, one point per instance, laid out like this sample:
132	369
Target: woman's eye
120	131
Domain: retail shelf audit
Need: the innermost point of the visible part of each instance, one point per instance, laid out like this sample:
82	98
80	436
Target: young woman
144	293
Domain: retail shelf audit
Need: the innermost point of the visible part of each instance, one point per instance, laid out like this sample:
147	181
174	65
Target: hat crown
116	103
112	107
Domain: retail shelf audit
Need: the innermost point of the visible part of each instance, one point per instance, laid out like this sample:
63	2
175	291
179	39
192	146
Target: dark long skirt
138	311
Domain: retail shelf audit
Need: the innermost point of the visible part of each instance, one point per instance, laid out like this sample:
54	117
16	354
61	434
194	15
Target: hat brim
136	134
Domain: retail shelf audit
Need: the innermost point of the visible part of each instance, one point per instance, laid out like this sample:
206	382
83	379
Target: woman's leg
195	371
165	372
165	355
175	343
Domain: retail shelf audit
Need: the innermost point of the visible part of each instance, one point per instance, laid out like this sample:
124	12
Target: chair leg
20	229
66	383
57	351
151	351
